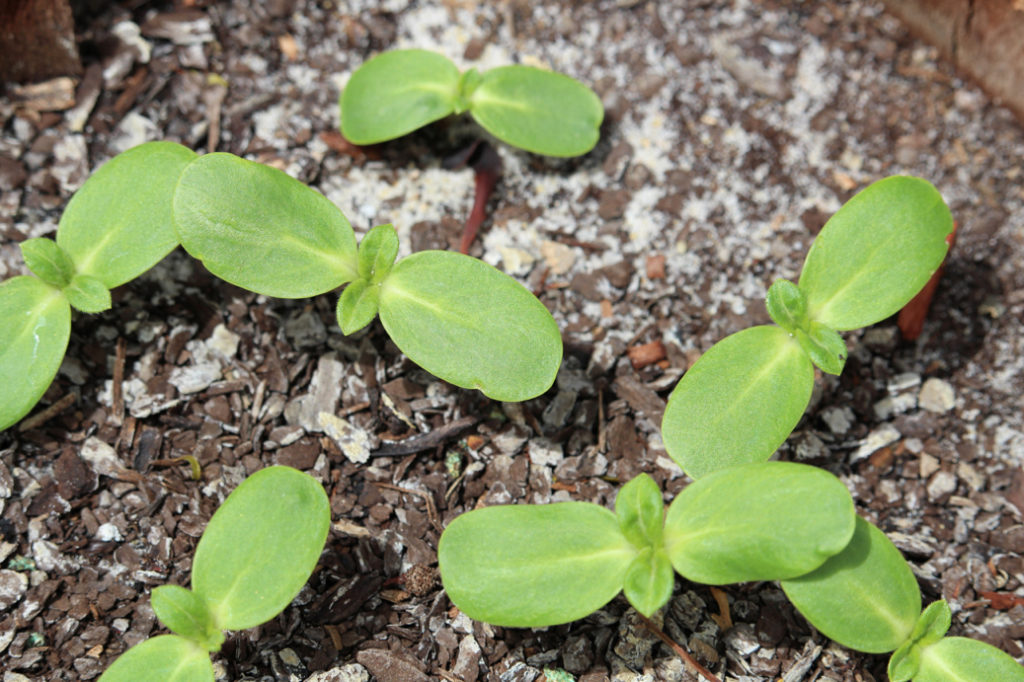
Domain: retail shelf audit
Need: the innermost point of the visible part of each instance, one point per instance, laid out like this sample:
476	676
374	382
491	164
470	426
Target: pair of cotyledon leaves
258	228
540	111
256	553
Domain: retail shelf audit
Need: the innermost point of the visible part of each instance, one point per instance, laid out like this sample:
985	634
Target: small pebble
936	396
941	485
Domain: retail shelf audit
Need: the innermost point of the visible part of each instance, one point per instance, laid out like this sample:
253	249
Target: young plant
256	553
117	226
745	395
540	111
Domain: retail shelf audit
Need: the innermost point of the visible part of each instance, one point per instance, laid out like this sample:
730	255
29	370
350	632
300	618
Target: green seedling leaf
397	92
47	261
876	253
88	294
787	305
118	224
738	402
260	547
33	337
533	565
958	659
865	597
377	253
931	626
167	658
260	229
357	306
186	614
825	347
761	521
641	512
540	111
471	325
469	81
649	581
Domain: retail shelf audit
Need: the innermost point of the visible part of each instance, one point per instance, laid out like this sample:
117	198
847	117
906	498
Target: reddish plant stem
912	316
486	165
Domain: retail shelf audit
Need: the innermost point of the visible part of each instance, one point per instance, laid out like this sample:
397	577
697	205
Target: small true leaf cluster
256	553
744	518
258	228
400	91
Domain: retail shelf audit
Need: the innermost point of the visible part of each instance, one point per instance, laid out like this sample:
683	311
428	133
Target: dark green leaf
36	326
649	581
167	658
186	614
397	92
761	521
118	225
88	294
260	229
47	261
533	565
738	402
641	512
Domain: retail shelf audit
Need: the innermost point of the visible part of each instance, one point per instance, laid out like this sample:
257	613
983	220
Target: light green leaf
118	224
167	658
825	347
649	581
88	294
533	565
471	325
738	402
537	110
931	625
958	659
36	326
357	306
377	252
761	521
260	547
865	597
395	93
876	253
641	512
260	229
787	305
186	614
47	261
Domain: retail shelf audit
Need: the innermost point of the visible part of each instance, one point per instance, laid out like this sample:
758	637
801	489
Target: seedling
745	395
256	553
258	228
540	111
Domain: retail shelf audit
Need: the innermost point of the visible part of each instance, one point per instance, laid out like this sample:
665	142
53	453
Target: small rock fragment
133	130
941	485
543	452
352	672
886	434
194	378
353	441
936	396
12	588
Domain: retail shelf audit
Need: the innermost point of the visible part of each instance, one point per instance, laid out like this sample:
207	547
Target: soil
732	132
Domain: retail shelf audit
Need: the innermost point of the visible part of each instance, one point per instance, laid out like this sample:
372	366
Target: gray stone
13	586
543	452
936	396
353	441
941	485
352	672
884	435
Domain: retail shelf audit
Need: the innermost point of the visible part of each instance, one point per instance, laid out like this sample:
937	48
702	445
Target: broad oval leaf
397	92
167	658
649	581
876	253
533	565
762	521
738	402
34	333
357	306
958	659
118	224
185	613
471	325
865	597
88	294
260	547
261	229
537	110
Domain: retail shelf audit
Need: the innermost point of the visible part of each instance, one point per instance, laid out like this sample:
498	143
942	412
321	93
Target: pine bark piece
37	40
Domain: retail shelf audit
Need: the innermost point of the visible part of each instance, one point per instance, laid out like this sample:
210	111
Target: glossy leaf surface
260	229
958	659
185	613
762	521
397	92
649	581
533	565
875	253
471	325
865	597
167	658
118	224
260	547
537	110
36	326
738	402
